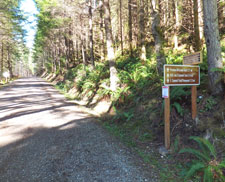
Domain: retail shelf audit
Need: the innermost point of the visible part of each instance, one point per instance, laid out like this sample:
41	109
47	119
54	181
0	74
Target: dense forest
109	55
14	53
71	32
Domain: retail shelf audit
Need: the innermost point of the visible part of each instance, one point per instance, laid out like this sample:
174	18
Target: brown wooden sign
195	58
175	75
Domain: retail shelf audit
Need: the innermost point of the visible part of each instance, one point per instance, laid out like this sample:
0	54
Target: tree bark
103	51
197	44
158	38
83	52
177	23
110	50
2	60
130	27
9	63
221	16
121	27
211	32
83	46
135	22
91	43
142	31
200	19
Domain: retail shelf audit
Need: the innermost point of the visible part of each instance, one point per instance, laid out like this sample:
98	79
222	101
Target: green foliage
136	74
119	132
206	164
219	69
173	58
123	116
210	103
176	144
177	94
178	107
146	137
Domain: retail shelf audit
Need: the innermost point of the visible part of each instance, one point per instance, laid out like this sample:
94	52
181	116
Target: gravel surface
45	138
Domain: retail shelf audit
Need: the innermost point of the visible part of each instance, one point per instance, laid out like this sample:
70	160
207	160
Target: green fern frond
208	175
196	153
178	92
222	164
209	146
178	108
194	169
203	148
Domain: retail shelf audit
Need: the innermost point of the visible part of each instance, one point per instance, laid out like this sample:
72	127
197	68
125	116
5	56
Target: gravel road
44	138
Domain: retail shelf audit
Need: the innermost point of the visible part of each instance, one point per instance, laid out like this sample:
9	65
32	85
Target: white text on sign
175	75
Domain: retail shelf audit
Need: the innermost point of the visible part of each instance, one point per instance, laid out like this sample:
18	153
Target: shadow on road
43	138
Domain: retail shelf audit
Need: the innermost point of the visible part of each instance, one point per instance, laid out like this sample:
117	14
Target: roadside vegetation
118	72
109	55
135	114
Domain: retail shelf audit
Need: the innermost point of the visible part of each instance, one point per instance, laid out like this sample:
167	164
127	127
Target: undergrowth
137	106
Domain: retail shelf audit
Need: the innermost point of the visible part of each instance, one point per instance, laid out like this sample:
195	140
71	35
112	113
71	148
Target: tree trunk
177	23
77	48
83	52
212	39
221	16
200	19
2	61
197	44
103	51
52	68
55	57
91	44
142	31
121	27
9	63
158	38
67	50
130	27
109	42
83	43
135	23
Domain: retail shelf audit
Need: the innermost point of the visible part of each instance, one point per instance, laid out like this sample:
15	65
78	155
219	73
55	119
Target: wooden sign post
177	75
166	96
193	59
194	101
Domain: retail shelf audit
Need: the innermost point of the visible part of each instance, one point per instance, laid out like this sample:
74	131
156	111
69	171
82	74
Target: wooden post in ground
194	101
167	120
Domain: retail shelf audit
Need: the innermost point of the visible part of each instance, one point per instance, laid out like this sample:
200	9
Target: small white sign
165	92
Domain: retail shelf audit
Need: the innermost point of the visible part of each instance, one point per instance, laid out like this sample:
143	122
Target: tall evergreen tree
212	38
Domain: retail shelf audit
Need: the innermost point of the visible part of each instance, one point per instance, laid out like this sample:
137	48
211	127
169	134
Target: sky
30	10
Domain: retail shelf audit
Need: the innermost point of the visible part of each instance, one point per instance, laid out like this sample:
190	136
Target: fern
208	175
206	147
196	153
194	169
206	163
178	92
222	164
176	95
178	107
